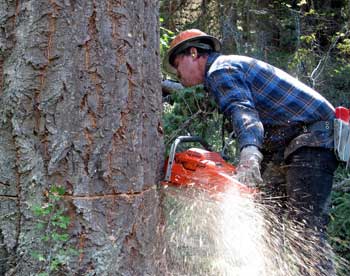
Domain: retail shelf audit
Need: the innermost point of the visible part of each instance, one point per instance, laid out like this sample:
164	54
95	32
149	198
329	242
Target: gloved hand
248	169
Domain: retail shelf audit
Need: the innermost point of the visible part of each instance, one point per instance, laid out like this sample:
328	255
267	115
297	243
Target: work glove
248	169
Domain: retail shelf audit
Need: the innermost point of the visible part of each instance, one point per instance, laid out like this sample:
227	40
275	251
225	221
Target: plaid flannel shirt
254	95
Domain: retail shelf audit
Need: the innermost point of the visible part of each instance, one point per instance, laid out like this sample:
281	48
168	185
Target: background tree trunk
80	108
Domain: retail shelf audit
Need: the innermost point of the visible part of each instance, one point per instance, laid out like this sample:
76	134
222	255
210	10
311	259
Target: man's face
188	70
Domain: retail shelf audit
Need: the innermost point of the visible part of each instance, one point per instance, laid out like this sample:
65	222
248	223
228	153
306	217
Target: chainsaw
201	168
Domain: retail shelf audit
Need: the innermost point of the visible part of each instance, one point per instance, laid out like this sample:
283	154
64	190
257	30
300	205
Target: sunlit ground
234	234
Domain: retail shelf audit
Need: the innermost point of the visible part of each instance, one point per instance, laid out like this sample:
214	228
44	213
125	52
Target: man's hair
187	51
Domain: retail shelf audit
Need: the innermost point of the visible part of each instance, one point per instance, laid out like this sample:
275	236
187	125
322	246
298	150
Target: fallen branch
169	86
343	186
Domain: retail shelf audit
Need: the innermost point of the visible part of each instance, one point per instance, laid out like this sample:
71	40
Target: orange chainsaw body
203	169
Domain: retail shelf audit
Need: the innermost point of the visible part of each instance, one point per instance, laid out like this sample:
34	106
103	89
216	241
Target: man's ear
193	52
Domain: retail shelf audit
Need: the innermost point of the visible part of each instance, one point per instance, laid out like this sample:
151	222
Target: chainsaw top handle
178	140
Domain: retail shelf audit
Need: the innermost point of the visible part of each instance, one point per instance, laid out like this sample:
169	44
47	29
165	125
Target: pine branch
343	186
323	61
183	126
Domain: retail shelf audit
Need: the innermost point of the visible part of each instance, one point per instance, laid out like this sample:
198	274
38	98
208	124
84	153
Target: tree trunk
80	108
231	37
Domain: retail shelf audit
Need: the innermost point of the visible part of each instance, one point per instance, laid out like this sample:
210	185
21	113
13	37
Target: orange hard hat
185	39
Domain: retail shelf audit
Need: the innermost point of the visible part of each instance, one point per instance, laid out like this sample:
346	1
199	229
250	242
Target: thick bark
80	108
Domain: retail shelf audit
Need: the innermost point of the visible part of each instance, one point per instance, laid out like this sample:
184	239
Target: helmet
185	39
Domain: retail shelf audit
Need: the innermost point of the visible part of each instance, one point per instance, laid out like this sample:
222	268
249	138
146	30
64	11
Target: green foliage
336	84
340	213
344	46
302	56
52	224
308	39
339	226
191	111
165	37
183	105
184	112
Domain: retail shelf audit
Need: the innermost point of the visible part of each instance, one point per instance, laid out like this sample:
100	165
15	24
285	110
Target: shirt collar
211	58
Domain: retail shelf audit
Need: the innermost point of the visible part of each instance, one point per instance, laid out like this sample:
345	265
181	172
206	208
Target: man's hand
248	169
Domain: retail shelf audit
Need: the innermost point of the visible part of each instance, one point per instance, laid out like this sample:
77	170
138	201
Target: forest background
308	39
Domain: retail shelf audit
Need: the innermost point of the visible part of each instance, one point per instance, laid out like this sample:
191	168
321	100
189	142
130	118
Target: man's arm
235	100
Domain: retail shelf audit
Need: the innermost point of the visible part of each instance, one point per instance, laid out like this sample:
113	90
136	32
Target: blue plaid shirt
254	95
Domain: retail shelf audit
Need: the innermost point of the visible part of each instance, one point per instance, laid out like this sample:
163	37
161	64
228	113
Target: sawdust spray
233	234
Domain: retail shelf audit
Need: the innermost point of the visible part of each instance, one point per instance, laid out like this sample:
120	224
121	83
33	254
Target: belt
320	125
280	137
317	134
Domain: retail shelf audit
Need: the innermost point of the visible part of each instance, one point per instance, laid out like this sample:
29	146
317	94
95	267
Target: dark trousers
298	190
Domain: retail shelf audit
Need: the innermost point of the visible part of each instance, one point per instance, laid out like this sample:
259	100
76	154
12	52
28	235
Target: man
284	128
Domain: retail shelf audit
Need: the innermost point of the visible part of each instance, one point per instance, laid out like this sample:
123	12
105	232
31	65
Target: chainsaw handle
178	140
187	139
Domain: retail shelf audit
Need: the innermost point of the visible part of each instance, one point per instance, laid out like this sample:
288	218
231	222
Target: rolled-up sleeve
236	102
